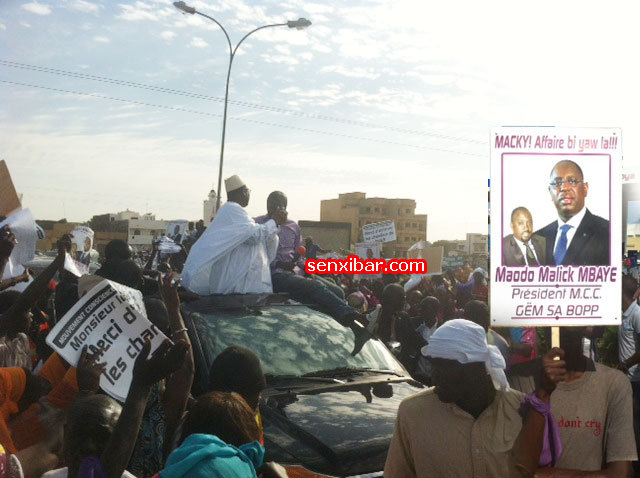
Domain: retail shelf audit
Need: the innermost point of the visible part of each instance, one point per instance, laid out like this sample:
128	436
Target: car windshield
290	340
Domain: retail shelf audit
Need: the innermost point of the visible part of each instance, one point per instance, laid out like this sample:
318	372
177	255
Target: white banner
167	246
555	226
25	229
111	318
384	231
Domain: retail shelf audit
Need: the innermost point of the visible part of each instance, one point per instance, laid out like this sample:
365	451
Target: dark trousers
313	292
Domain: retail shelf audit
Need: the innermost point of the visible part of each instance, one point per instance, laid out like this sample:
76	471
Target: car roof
229	302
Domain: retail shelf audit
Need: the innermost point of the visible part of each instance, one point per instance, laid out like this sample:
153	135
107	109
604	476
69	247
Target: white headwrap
481	271
466	342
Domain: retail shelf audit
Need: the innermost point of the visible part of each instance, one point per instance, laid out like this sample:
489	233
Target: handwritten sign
384	231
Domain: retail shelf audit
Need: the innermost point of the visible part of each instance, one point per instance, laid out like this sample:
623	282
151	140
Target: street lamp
299	24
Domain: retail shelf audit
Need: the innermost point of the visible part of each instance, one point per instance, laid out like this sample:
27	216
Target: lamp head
184	7
299	24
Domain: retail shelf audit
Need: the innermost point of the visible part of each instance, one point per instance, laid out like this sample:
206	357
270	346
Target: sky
112	105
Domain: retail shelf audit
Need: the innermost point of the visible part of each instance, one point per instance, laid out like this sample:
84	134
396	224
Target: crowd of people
496	402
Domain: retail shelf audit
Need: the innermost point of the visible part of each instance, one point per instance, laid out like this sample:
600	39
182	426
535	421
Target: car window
290	340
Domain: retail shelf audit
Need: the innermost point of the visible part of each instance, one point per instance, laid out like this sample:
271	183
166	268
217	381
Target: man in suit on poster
578	237
523	248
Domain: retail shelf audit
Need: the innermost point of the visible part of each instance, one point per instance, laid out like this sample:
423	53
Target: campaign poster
365	250
384	231
109	318
556	226
176	230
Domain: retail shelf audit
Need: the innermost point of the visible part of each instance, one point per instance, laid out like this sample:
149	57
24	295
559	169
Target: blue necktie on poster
561	248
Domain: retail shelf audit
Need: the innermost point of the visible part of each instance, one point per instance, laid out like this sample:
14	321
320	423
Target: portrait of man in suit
577	237
523	248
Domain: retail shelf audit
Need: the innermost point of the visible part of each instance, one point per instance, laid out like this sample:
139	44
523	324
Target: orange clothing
54	369
27	428
12	383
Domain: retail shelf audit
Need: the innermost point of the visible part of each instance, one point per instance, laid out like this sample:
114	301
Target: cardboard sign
555	226
109	318
9	200
433	256
365	250
384	231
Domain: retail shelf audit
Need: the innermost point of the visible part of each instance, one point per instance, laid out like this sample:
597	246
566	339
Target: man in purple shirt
287	270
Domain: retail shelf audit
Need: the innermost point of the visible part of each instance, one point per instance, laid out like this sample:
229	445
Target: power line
273	109
247	120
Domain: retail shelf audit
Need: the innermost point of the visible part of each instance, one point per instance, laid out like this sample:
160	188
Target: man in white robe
234	253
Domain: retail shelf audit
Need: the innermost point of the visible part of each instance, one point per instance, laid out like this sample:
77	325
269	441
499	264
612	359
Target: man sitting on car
233	254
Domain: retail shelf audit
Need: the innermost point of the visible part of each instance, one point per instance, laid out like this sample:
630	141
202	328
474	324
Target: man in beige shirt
469	425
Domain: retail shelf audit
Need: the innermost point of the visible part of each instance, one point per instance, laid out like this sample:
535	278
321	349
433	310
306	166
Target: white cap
233	183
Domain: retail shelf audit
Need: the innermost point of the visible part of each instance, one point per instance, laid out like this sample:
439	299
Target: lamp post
299	24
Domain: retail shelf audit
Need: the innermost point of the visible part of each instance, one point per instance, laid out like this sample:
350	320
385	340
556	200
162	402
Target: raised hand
166	359
280	216
169	290
554	371
89	370
7	241
64	245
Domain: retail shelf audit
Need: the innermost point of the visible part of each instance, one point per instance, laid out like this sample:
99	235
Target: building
633	237
356	209
334	236
477	245
209	208
139	230
456	248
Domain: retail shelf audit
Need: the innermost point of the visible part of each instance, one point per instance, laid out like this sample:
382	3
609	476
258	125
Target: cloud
368	73
85	6
198	42
139	11
25	24
3	26
71	108
130	114
100	39
321	48
37	8
167	35
317	8
285	59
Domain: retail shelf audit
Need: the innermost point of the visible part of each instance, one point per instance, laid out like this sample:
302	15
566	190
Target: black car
324	412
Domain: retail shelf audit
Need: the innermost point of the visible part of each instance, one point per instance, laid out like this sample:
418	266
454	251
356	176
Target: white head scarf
466	342
481	271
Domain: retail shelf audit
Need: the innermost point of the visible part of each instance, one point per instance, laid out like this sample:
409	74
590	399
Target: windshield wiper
271	378
349	371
